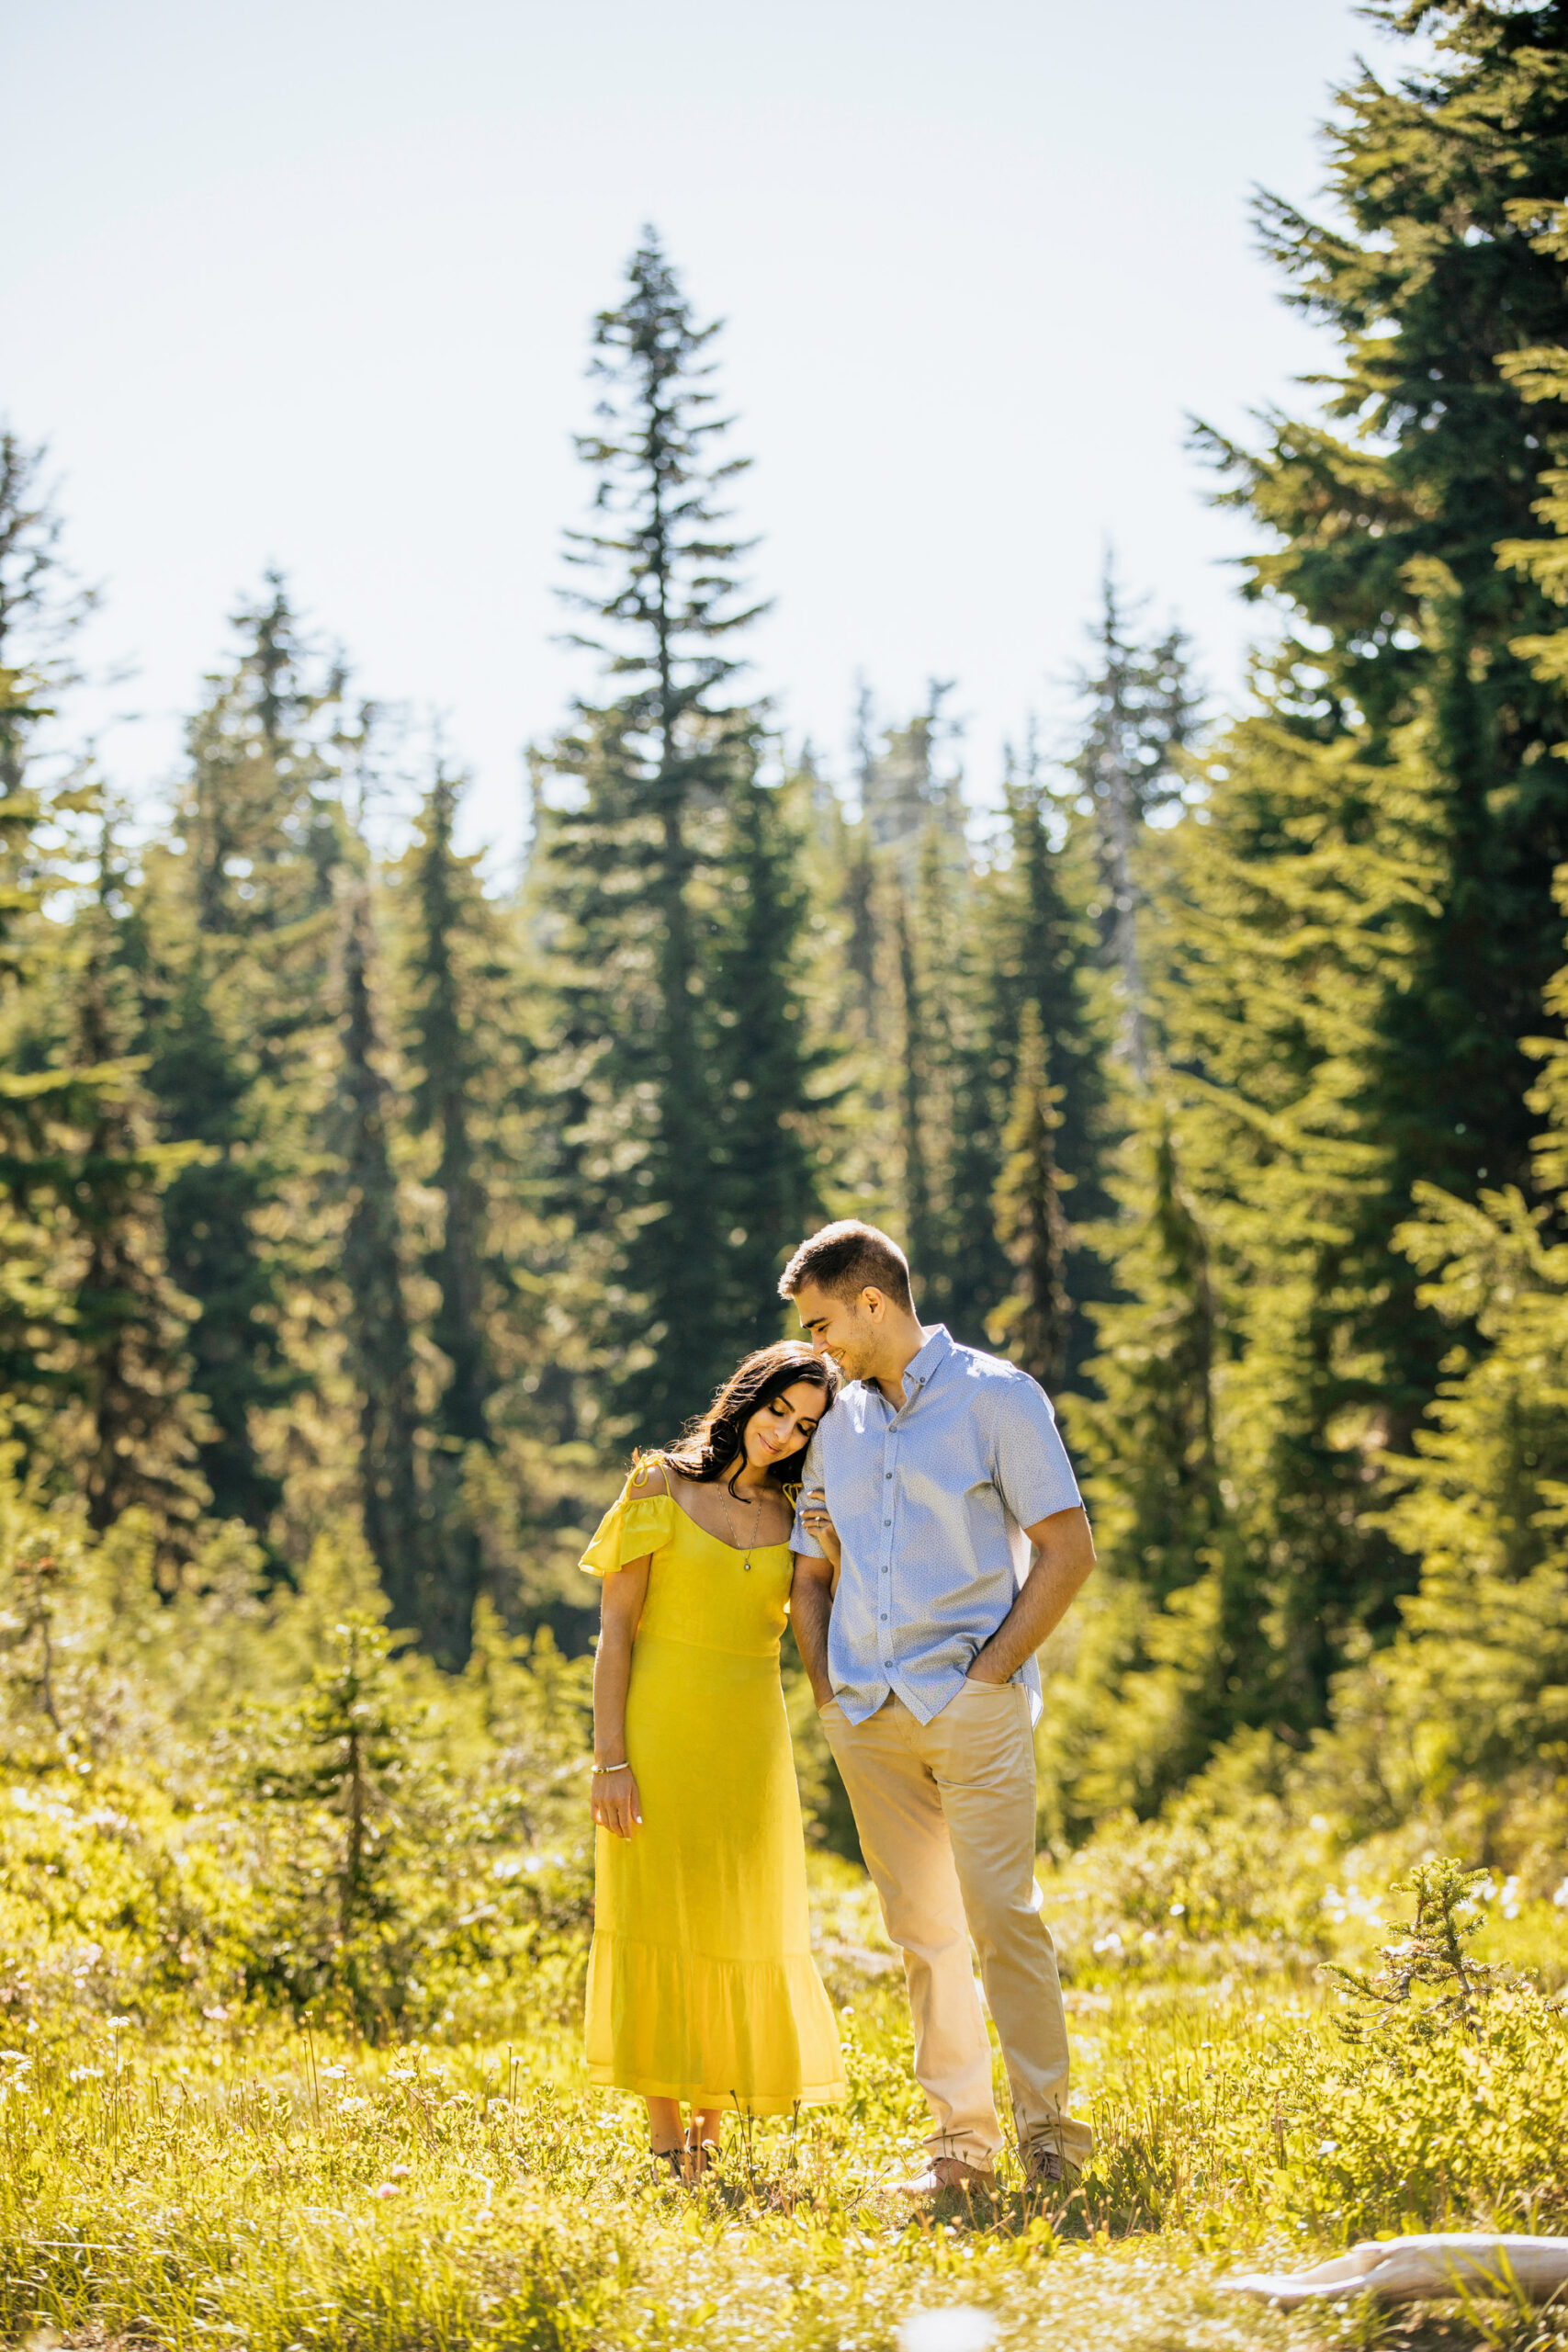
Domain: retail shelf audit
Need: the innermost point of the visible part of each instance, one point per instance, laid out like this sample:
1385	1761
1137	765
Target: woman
701	1984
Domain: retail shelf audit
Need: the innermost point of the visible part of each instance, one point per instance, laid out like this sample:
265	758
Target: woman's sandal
701	2157
675	2159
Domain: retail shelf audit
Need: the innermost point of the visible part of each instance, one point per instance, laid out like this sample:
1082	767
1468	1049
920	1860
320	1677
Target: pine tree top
670	596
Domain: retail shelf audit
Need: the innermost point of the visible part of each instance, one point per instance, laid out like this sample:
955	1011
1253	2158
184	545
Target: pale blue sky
310	283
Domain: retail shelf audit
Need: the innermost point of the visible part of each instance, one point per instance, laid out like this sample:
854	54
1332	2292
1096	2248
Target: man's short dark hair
847	1258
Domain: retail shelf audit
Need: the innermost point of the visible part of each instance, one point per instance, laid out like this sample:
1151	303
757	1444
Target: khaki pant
945	1812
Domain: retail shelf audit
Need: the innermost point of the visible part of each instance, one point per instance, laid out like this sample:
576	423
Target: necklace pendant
746	1564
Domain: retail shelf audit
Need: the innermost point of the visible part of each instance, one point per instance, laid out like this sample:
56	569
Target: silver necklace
749	1544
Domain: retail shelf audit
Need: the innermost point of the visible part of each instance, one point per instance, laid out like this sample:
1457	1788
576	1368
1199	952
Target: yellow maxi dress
701	1984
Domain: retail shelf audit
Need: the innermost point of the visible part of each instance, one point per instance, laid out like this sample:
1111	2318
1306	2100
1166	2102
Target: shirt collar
922	1366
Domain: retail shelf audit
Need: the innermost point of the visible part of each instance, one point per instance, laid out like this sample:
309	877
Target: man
928	1481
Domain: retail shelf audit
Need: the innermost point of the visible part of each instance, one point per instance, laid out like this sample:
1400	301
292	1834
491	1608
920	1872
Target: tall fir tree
1177	1651
1043	955
1033	1323
380	1330
1383	554
626	869
1353	940
462	994
763	1069
1345	952
1141	711
93	1333
1153	1424
144	1422
451	1085
908	783
237	1002
41	611
914	1097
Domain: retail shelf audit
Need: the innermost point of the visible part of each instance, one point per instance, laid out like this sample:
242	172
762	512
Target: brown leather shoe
1045	2167
940	2173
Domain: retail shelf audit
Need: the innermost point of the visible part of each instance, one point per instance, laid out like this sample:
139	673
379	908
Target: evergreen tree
1383	553
41	610
906	895
39	613
1289	922
1042	938
465	996
202	1080
953	1043
257	808
979	1271
1541	376
1033	1323
857	886
1175	1654
93	1333
904	789
1465	1708
237	997
856	878
1152	1428
130	1324
762	1067
1355	936
850	1001
344	1776
626	868
379	1331
852	997
450	1087
1141	712
919	1212
353	1731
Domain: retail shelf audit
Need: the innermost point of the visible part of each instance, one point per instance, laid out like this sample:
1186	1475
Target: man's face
849	1331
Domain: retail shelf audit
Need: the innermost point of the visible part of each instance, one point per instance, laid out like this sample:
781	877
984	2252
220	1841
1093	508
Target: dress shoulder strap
648	1476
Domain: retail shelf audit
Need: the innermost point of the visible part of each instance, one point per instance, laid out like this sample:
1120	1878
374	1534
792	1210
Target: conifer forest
362	1206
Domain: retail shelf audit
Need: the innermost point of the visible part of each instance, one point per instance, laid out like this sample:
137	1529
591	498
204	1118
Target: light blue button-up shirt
931	1502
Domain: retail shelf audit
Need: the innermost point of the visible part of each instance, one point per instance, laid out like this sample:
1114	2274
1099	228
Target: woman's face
784	1425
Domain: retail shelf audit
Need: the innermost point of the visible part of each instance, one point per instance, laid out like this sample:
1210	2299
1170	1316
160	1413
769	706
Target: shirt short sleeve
1030	1463
800	1539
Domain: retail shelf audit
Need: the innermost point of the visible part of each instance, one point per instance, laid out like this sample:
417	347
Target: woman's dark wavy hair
708	1444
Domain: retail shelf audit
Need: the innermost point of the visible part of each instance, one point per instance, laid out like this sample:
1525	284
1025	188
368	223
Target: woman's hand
616	1804
815	1520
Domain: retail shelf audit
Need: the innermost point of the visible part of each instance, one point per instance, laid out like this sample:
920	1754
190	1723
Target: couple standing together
926	1475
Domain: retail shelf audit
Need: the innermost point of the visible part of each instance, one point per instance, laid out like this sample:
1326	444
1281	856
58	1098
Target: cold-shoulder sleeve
634	1525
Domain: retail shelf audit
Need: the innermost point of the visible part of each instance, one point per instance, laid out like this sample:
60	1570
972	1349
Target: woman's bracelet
597	1769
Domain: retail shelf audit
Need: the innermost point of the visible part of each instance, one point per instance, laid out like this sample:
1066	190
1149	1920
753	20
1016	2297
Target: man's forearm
1060	1572
810	1609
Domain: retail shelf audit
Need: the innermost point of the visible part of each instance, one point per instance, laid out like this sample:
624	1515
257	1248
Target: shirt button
888	1522
885	1616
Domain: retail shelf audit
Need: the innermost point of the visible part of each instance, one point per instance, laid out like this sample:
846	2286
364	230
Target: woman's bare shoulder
650	1475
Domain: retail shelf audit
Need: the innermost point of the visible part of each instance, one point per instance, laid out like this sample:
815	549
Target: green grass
239	2182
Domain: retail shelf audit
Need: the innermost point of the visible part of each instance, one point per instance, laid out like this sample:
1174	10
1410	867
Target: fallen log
1402	2270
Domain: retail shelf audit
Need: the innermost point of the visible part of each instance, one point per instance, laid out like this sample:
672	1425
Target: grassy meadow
220	2174
293	1929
